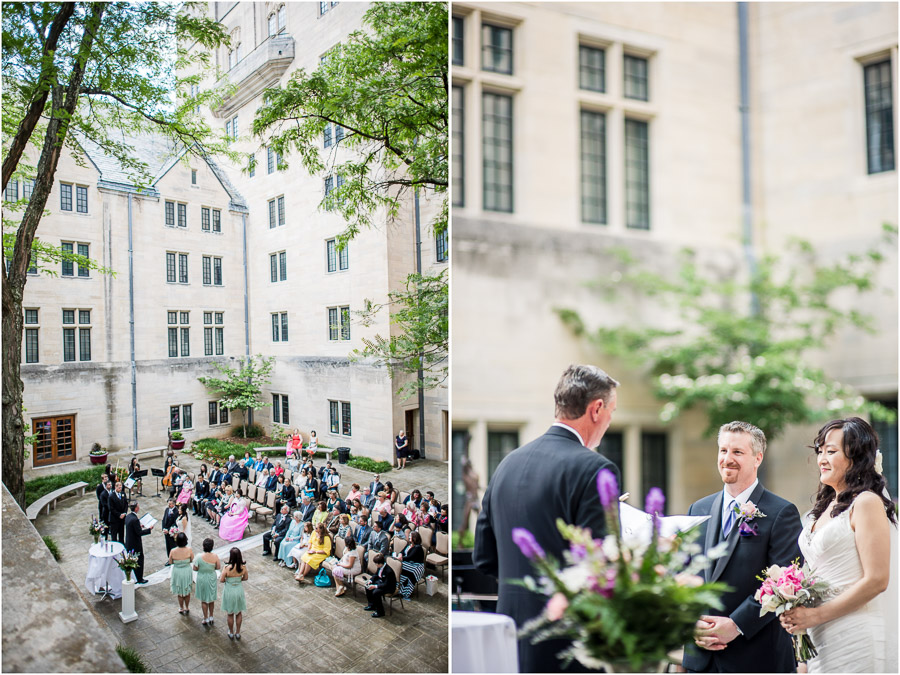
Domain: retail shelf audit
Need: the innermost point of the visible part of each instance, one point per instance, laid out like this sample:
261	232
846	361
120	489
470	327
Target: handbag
322	579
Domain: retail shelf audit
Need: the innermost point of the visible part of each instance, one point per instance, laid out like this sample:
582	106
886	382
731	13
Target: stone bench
283	448
158	450
48	501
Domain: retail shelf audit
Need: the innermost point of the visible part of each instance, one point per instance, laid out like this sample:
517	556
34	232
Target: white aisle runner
166	572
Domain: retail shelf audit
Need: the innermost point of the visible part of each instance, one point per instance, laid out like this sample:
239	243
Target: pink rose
787	591
556	607
690	580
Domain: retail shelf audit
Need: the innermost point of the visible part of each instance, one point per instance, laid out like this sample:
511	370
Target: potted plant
98	455
177	440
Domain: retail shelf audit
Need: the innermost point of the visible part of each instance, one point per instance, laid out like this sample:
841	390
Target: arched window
272	24
282	18
235	53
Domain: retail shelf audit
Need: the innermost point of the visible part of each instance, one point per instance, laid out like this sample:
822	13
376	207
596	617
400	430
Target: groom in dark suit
522	493
738	639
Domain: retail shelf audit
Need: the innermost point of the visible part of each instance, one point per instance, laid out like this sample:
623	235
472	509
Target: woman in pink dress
187	490
235	521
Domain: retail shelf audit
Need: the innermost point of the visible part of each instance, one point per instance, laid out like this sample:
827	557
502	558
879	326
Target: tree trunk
14	286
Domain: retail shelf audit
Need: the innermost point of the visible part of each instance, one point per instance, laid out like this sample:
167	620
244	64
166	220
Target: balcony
259	70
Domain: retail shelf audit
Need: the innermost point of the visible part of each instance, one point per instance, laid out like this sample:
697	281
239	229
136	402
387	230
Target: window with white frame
339	417
181	416
179	327
279	326
879	108
179	274
11	193
212	270
337	260
218	413
278	266
83	334
496	49
326	6
170	214
334	134
281	412
65	197
458	51
182	215
32	330
213	333
231	128
277	216
339	323
193	176
68	266
440	246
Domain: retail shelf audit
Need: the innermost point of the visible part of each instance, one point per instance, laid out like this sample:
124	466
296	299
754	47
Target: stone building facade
579	128
257	274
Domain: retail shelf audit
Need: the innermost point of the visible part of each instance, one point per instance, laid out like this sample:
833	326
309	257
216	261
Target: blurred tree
737	364
241	387
75	73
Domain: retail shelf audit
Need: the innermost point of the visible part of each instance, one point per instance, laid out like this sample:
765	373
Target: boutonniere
746	514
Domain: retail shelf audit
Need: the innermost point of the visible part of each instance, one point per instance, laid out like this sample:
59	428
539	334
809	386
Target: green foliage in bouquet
621	602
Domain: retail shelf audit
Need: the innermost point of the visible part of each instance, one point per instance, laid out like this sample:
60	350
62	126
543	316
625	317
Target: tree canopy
241	387
734	363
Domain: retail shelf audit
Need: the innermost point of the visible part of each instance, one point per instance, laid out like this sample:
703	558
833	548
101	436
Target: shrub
132	659
468	540
54	549
220	449
177	436
38	487
370	465
253	431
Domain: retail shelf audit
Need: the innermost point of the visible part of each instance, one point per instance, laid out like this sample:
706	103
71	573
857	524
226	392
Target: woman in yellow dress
319	549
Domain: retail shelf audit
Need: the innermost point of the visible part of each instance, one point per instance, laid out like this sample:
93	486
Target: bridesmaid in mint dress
206	565
233	601
182	577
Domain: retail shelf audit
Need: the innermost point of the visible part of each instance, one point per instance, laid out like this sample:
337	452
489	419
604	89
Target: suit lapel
713	525
734	535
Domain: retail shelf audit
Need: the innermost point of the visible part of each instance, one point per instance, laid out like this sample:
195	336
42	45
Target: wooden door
55	440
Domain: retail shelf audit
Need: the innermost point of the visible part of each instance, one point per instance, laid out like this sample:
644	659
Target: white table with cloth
103	573
484	643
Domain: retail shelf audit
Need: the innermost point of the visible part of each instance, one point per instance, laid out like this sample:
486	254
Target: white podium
128	614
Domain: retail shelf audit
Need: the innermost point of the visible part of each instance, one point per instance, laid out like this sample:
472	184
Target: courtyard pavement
287	627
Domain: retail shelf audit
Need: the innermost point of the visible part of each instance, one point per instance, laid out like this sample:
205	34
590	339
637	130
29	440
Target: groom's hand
715	632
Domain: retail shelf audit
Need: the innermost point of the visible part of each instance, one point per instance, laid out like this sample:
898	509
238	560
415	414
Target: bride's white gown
855	642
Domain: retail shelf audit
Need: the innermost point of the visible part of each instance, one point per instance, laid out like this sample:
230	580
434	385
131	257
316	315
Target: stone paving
287	627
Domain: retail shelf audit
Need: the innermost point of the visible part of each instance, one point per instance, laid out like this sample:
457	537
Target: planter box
178	445
99	459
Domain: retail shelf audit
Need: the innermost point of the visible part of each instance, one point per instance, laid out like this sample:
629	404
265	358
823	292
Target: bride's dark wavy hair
860	447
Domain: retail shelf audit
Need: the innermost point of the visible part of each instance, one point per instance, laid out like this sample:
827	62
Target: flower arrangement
784	588
96	450
623	605
97	529
128	561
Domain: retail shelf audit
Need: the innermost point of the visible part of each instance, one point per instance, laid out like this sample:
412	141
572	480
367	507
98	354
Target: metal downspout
746	196
134	423
246	306
421	374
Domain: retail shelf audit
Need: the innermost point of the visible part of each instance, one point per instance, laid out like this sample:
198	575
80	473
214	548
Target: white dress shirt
567	427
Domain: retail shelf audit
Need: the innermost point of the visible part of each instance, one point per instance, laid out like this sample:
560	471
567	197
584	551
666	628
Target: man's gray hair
577	387
757	437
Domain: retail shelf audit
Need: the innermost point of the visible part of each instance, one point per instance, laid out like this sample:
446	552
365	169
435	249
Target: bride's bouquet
619	602
784	588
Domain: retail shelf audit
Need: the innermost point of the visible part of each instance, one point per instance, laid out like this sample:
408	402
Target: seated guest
234	521
363	530
344	527
321	514
220	504
296	553
242	471
382	583
259	464
413	561
319	549
443	520
278	531
347	567
400	527
187	490
204	472
288	494
333	481
294	462
355	493
278	468
415	498
262	478
272	483
307	509
382	510
216	476
312	485
429	497
392	493
230	464
291	538
334	522
177	478
201	492
334	502
421	518
357	505
379	541
367	499
325	470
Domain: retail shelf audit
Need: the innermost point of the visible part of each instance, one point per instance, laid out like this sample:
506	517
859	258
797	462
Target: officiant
133	541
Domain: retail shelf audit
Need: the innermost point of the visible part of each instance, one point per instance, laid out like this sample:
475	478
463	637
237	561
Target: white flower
610	550
575	578
878	467
735	378
769	604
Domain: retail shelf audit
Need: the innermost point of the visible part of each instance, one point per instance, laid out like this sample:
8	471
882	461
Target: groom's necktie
729	519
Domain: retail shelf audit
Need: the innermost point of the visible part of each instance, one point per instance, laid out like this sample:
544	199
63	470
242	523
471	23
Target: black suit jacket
289	495
104	506
384	580
764	646
522	493
376	488
272	484
118	504
216	477
306	512
133	533
281	525
170	517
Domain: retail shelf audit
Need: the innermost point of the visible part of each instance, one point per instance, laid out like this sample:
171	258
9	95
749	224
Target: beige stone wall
808	157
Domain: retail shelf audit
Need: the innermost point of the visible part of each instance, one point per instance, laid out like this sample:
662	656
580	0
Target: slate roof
160	154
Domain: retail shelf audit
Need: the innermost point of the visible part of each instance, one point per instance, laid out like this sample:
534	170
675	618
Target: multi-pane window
181	417
217	271
207	334
184	321
32	264
84	335
182	268
220	333
277	215
182	215
637	175
879	117
273	24
340	424
270	159
193	176
170	214
231	128
212	271
440	246
213	336
337	260
81	199
333	134
636	78
218	413
27	188
65	196
84	250
216	220
591	68
31	336
170	268
333	417
593	167
458	44
11	193
173	333
278	266
282	18
498	152
496	49
68	266
68	335
207	270
179	324
251	166
204	219
281	412
325	6
329	187
458	150
279	327
339	323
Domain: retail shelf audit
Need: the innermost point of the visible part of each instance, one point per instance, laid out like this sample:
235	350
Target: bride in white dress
184	522
847	540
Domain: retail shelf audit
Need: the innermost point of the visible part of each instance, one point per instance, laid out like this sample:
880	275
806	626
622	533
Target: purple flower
607	487
655	502
527	543
747	530
579	552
